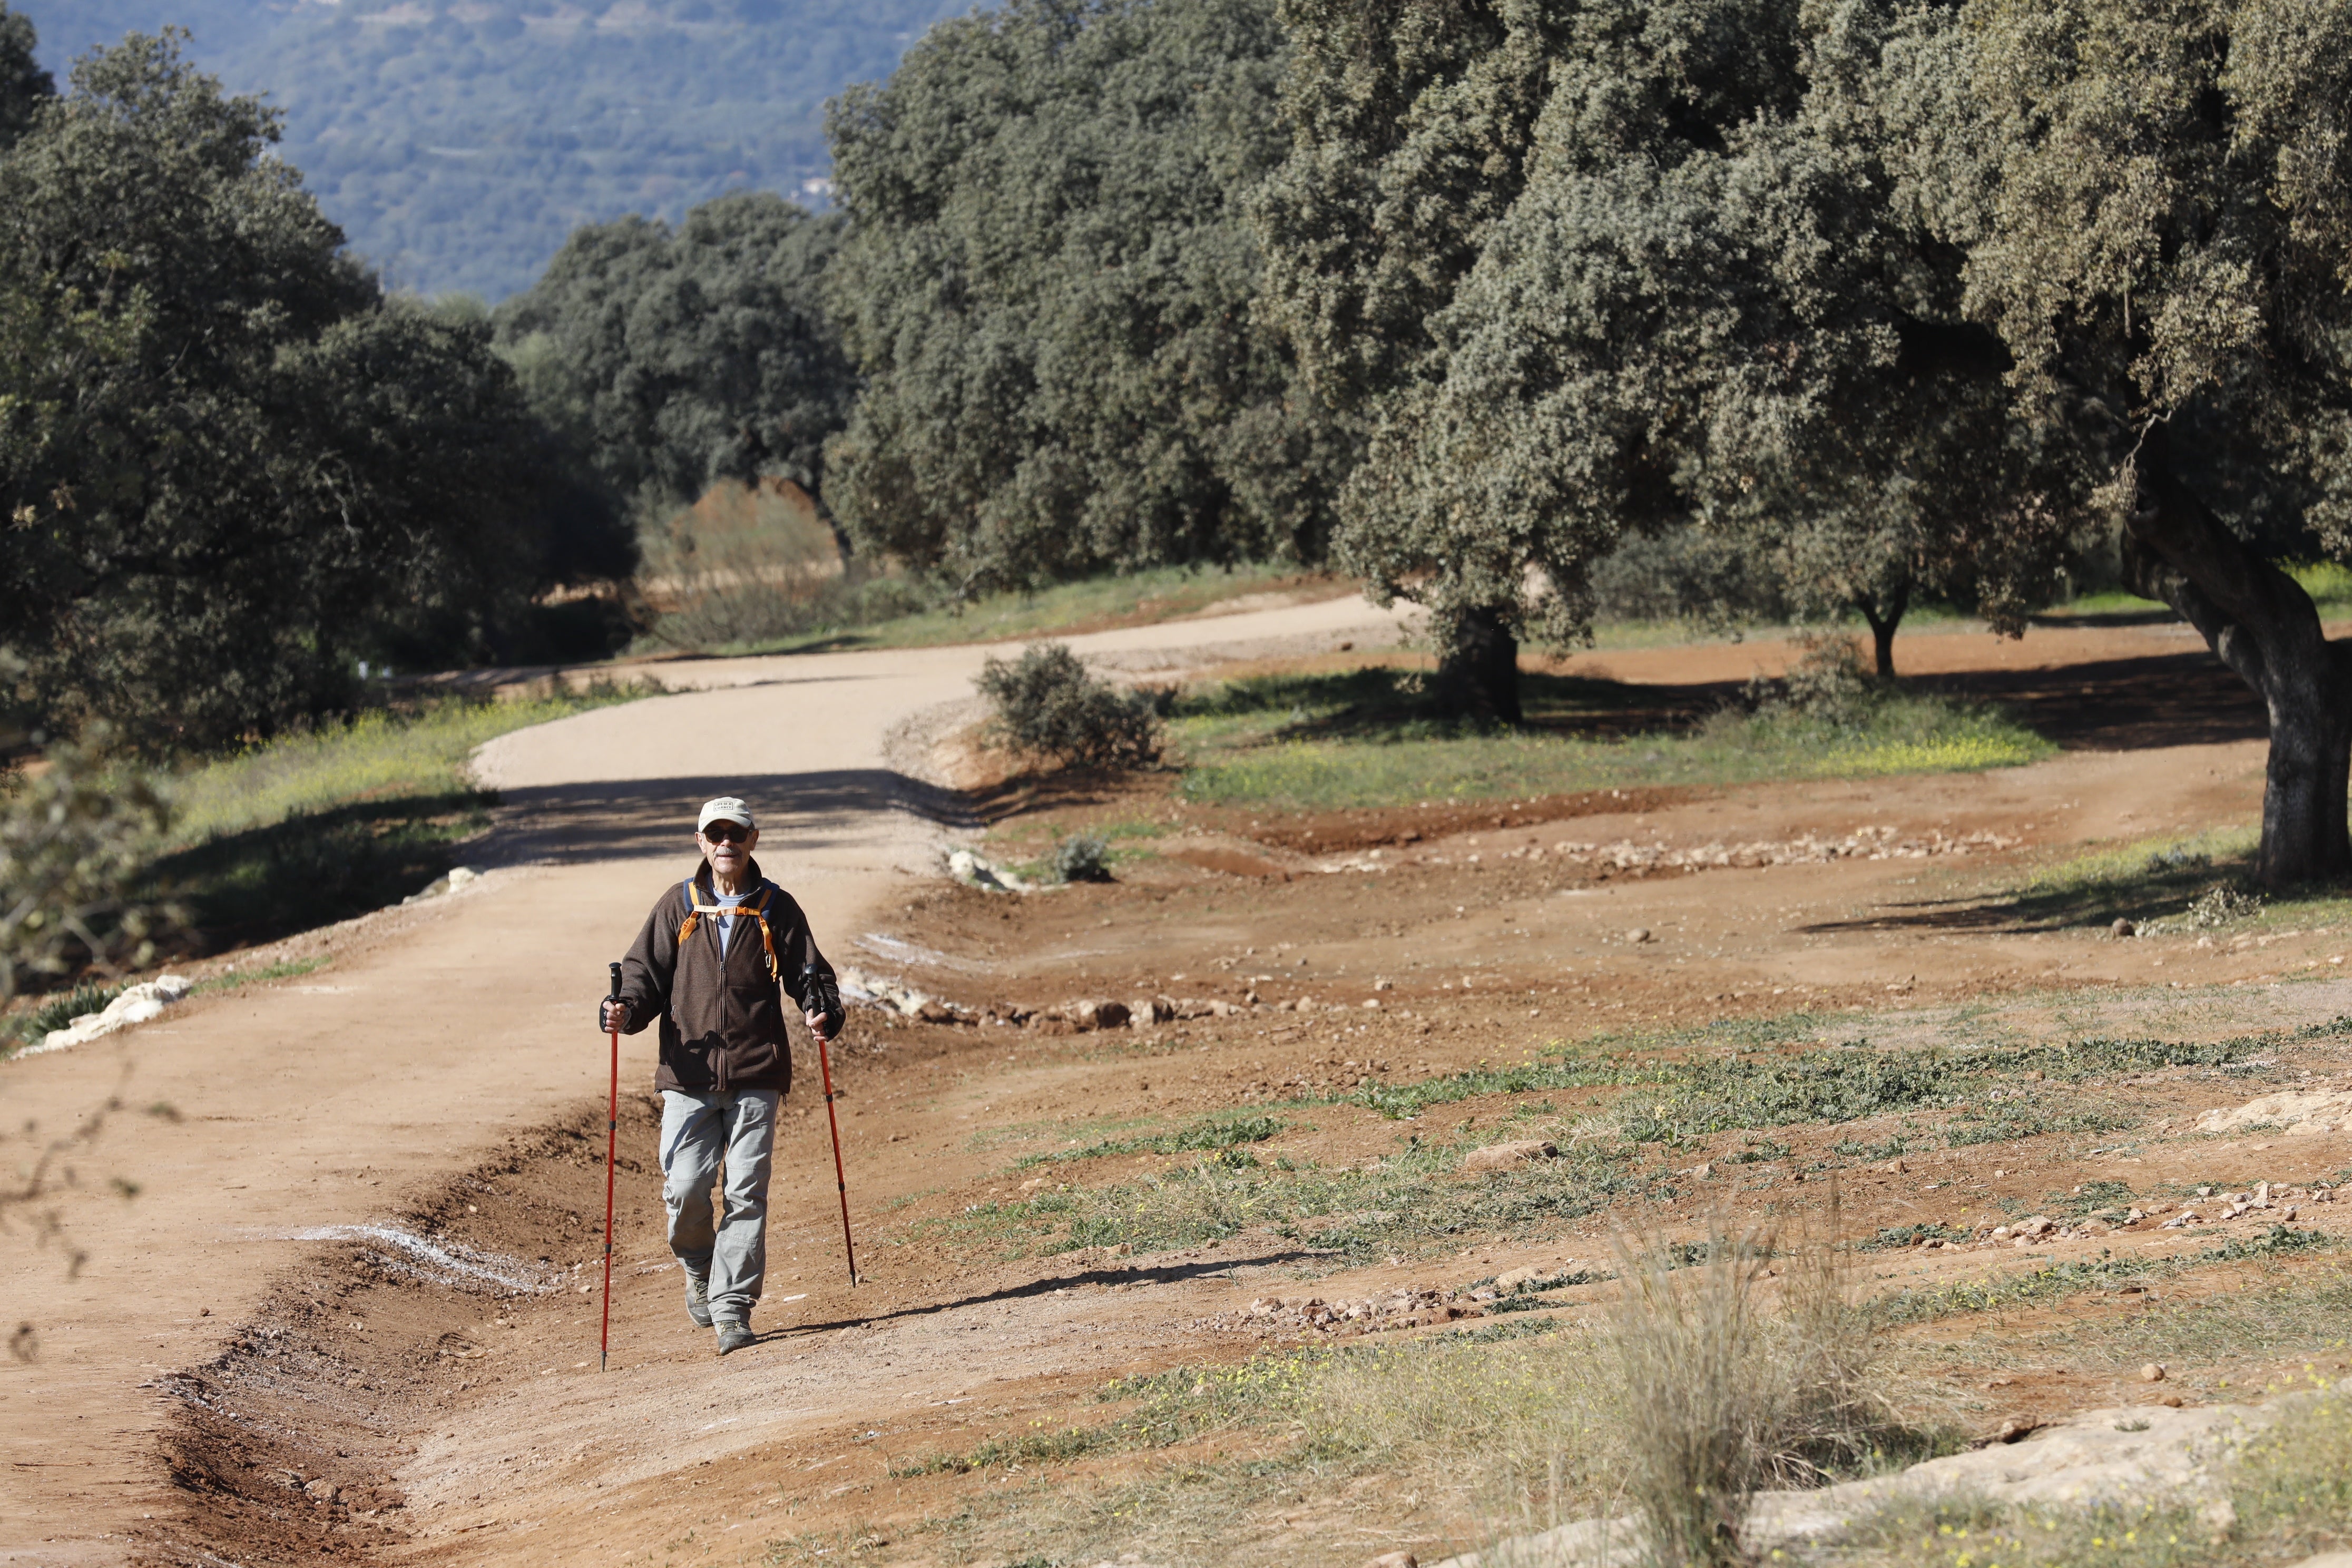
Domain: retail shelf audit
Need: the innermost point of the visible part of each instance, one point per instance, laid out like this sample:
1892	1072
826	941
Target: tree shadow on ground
2122	704
1047	1284
2161	888
315	868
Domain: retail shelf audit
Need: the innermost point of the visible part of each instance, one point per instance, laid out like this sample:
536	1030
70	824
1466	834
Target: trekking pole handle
616	996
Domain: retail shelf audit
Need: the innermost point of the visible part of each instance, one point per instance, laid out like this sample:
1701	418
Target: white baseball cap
726	808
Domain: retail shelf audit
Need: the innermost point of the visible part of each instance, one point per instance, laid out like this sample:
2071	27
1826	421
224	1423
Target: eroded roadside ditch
290	1445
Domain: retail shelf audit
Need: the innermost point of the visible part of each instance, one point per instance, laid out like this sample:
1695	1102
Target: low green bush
1049	706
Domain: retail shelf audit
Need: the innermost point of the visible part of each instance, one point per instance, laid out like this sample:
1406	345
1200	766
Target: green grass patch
1376	737
2051	1281
1717	1079
1210	1134
312	828
1414	1199
2146	882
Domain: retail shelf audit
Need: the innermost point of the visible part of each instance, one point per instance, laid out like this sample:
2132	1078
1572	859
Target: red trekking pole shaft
612	1144
840	1181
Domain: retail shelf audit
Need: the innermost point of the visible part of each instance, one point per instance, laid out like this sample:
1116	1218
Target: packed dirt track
321	1286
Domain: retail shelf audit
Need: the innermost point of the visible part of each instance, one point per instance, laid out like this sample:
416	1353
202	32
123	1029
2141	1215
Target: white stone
136	1004
2121	1457
2303	1113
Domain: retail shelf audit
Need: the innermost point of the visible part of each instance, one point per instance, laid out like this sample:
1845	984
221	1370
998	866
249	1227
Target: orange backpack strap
758	911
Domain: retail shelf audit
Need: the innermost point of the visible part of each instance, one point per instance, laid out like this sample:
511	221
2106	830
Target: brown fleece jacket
722	1019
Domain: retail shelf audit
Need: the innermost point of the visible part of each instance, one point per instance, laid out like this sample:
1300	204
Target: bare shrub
1049	706
1722	1395
1692	1356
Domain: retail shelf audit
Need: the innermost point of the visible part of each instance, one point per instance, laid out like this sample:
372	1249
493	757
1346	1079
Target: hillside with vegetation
458	143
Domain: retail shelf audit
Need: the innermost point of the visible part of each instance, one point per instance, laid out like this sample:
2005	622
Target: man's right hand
614	1014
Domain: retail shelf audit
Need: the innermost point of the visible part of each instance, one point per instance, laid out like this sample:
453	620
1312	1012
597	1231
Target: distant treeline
456	143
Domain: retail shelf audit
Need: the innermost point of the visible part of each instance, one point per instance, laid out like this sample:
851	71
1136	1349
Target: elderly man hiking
714	960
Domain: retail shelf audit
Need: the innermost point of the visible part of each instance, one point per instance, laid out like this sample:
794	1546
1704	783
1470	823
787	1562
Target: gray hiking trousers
700	1133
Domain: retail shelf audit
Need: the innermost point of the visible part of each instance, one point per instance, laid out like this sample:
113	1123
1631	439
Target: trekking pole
612	1144
814	975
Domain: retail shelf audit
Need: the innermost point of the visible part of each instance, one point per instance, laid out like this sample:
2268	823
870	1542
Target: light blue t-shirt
725	924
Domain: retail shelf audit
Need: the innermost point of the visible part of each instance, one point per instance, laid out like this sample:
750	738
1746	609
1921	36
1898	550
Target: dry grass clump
1520	1435
1745	1366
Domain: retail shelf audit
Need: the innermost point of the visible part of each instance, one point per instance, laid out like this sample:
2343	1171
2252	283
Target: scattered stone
2123	927
2152	1373
1638	935
1509	1156
1394	1560
136	1004
1096	1014
974	872
318	1489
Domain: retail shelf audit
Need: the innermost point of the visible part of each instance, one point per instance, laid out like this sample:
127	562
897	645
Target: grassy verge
309	829
1731	1076
1416	1198
1372	738
1210	1133
2032	1287
1515	1427
1677	1090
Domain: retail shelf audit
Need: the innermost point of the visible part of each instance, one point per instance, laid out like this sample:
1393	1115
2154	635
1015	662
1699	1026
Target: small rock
319	1489
1896	1166
2170	1401
1506	1156
1703	1171
2123	927
1638	935
2152	1373
1394	1560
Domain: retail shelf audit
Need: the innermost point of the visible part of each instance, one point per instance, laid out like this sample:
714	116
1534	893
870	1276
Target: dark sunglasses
726	833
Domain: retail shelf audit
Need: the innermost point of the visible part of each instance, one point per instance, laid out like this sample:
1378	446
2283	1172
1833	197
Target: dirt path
436	1078
244	1121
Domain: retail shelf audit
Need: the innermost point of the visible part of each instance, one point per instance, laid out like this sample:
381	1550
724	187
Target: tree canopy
1049	287
230	465
1605	265
1894	295
672	359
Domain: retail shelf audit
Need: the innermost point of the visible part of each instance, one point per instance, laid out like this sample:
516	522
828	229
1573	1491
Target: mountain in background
458	142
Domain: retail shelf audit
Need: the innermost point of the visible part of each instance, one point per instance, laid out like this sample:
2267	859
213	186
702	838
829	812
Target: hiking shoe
697	1299
735	1336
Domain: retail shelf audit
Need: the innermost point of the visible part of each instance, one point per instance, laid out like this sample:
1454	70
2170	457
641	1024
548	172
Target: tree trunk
1478	663
1883	623
2260	624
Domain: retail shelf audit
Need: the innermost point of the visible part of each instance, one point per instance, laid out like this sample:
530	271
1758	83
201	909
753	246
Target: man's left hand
816	1022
